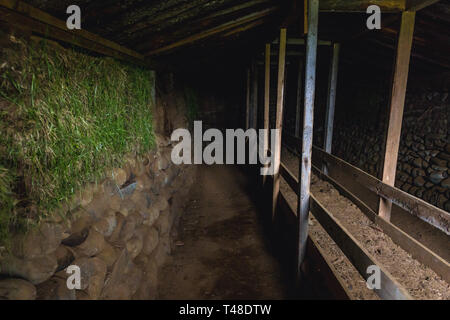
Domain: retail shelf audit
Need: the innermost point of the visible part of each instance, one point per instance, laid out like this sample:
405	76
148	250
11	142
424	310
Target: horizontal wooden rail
228	26
434	216
301	42
417	250
317	259
390	289
361	5
25	16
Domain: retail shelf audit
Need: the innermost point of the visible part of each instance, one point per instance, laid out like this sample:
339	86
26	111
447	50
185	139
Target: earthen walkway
220	251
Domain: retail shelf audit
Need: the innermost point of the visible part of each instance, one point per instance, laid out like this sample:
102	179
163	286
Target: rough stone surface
35	270
17	289
93	272
118	234
39	242
55	289
93	244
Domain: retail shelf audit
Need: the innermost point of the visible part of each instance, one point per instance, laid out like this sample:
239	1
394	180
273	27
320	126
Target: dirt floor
419	280
220	251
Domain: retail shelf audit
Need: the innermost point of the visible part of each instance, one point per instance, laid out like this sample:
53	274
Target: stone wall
424	155
118	233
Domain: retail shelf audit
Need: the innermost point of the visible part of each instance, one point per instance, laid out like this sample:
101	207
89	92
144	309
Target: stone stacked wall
118	234
424	155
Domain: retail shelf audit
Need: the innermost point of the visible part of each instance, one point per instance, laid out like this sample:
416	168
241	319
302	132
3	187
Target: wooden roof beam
416	5
19	13
300	42
213	31
361	5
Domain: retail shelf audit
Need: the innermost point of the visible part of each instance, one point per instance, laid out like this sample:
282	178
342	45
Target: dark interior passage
221	250
86	119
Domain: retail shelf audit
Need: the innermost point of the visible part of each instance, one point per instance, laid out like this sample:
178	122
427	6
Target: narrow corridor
220	251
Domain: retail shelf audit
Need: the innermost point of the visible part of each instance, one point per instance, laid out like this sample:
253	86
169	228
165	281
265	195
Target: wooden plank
254	114
53	33
317	259
305	16
359	257
233	9
436	217
279	119
346	193
37	20
361	5
416	5
390	289
210	32
308	121
298	107
246	27
417	250
398	94
331	100
324	266
291	180
266	102
247	102
302	42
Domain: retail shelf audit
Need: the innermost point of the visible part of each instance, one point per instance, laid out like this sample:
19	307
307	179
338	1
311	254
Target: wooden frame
398	94
19	13
247	101
401	238
434	216
417	250
318	258
254	103
331	99
266	103
306	145
298	107
228	26
279	118
361	5
390	289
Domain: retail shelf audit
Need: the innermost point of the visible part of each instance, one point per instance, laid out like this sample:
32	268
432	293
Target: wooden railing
358	256
433	215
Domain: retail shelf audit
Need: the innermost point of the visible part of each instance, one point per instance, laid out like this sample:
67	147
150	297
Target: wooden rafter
416	5
361	5
19	13
210	32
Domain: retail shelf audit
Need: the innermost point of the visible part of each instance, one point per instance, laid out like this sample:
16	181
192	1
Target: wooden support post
247	102
397	104
298	108
279	119
305	16
308	120
266	102
331	100
254	114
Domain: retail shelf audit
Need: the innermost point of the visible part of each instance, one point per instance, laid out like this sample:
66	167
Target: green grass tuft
65	119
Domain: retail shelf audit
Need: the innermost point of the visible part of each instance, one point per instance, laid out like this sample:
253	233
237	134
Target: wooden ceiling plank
233	9
210	32
48	31
416	5
168	17
361	5
246	27
27	11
